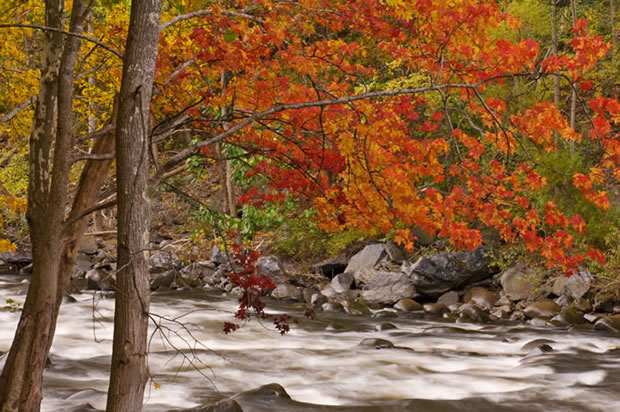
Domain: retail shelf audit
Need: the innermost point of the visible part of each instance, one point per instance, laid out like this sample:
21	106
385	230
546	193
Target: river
434	366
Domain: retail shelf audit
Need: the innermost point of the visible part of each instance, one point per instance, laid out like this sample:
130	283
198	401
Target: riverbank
379	280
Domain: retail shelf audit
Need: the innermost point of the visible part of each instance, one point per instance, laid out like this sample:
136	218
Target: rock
518	283
559	285
570	316
271	267
99	279
287	291
190	276
531	345
342	282
318	299
353	307
591	317
609	323
408	305
435	274
225	405
328	292
482	297
578	284
539	350
473	313
385	326
385	314
163	261
395	253
435	309
376	343
449	298
502	312
388	288
363	276
331	267
218	256
544	309
367	258
332	307
163	280
15	261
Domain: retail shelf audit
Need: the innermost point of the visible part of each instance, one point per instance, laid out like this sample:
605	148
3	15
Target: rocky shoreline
378	280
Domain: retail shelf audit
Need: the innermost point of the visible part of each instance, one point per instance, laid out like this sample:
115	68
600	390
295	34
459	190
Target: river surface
435	366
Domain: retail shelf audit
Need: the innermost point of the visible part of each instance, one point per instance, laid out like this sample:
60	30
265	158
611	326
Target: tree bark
21	379
573	99
129	369
554	50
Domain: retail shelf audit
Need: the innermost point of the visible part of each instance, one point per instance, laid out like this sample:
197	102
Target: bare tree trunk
54	239
21	379
573	100
615	35
227	179
554	50
129	369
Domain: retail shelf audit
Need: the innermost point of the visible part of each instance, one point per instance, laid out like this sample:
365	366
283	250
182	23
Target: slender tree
129	369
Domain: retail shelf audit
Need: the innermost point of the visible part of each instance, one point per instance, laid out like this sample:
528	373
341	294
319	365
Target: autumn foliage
423	134
385	114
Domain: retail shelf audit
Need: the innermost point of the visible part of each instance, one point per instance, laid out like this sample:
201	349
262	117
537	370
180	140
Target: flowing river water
433	366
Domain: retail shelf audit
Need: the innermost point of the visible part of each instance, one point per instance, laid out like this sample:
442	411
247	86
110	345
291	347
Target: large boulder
271	267
388	288
367	258
218	256
100	279
286	291
163	261
482	297
435	274
342	282
578	284
544	309
518	282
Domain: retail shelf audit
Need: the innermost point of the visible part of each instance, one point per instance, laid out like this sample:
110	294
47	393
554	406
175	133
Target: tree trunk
129	369
554	50
21	379
615	35
573	100
54	239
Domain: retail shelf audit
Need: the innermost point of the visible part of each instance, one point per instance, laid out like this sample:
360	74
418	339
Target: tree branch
200	13
68	33
10	115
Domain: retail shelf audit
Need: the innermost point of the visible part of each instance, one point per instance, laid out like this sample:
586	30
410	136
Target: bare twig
11	114
68	33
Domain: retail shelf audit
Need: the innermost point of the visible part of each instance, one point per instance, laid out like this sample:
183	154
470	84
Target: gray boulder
218	256
388	288
99	279
342	282
286	291
436	274
578	284
518	282
271	267
544	309
408	305
163	261
163	280
482	297
367	258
